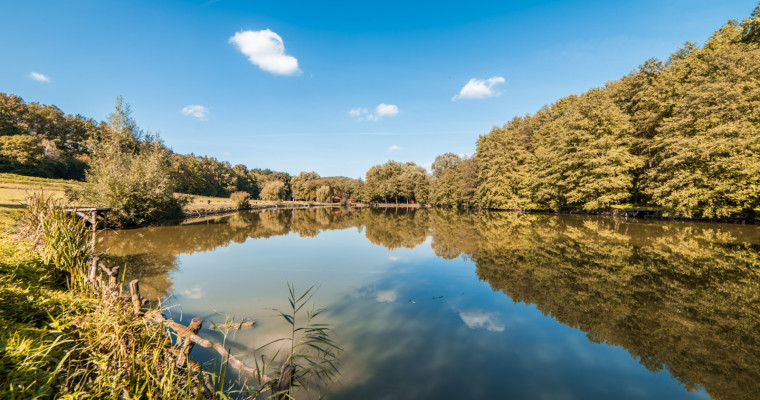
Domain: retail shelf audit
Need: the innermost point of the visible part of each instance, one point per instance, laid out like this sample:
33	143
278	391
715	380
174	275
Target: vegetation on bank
67	331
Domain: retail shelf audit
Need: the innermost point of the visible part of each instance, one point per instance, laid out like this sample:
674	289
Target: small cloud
394	147
386	110
196	110
393	257
39	77
386	296
465	156
382	110
226	153
479	89
266	50
480	319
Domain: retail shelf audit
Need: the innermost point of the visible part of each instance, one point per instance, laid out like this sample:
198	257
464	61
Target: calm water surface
435	304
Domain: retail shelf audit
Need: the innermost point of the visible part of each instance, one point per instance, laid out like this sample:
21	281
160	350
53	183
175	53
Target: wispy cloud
39	77
197	111
395	147
266	50
479	88
382	110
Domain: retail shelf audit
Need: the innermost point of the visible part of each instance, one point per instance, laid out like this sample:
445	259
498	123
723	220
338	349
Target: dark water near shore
436	304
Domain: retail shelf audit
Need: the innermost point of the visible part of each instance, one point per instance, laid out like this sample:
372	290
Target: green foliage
455	186
273	191
681	136
62	237
445	162
313	353
130	174
241	199
324	194
45	141
396	181
22	154
706	151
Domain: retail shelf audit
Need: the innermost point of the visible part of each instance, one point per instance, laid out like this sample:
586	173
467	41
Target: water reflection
681	297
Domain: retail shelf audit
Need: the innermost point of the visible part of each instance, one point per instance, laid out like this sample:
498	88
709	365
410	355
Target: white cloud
382	110
39	77
480	319
266	50
358	112
394	147
386	110
197	111
386	296
479	89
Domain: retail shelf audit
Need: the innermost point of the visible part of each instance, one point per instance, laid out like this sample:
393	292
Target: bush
273	191
241	199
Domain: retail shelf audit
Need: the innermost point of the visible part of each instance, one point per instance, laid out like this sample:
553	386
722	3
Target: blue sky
354	84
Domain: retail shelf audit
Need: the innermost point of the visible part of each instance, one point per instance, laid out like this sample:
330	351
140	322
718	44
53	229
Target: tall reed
62	237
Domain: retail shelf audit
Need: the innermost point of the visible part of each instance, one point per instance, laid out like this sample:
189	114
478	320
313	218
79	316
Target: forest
681	136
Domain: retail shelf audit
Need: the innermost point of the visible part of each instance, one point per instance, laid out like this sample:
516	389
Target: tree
130	173
324	194
444	162
273	191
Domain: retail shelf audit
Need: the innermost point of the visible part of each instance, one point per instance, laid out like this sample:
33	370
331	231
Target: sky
333	87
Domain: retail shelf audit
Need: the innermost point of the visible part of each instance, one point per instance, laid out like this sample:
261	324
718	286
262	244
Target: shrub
241	199
273	191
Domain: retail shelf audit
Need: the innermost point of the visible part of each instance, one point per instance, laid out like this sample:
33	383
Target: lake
439	304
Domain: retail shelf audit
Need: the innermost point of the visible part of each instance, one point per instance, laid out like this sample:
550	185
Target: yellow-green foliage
683	136
240	199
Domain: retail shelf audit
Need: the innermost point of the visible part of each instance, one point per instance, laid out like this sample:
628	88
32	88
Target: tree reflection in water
678	296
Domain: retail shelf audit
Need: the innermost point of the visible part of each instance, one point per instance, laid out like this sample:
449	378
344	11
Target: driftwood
246	323
186	344
188	334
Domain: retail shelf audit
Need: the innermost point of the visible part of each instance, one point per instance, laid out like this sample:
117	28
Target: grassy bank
71	328
61	343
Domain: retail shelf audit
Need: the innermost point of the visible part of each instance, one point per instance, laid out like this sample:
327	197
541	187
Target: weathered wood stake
134	293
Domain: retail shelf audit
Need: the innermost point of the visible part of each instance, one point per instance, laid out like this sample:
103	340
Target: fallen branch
187	333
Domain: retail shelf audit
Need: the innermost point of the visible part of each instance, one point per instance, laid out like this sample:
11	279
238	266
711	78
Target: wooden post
187	344
134	293
113	282
286	379
94	272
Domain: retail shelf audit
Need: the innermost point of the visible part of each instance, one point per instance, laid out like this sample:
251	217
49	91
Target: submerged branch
187	333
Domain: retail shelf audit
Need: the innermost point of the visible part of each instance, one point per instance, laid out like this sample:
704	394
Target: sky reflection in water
438	304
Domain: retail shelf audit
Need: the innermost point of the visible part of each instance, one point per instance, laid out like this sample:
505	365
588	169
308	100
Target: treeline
682	135
40	140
